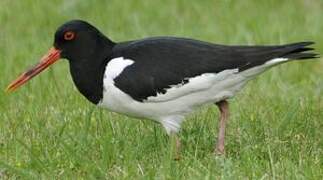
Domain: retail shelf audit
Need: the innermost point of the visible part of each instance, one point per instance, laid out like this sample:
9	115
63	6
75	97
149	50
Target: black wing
164	61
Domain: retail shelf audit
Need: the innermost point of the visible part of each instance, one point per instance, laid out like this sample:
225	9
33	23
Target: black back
164	61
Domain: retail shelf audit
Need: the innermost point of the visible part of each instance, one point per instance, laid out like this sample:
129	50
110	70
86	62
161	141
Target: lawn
49	131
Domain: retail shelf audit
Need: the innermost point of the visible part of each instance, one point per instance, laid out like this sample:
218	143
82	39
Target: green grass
49	131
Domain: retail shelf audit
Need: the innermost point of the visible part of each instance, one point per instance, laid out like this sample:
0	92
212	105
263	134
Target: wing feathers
162	62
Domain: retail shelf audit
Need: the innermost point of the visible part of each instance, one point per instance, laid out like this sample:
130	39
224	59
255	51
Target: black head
77	40
87	50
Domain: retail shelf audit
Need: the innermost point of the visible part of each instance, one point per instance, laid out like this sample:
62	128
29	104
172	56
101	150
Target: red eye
69	35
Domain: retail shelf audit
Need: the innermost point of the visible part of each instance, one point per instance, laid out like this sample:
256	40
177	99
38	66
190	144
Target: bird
162	78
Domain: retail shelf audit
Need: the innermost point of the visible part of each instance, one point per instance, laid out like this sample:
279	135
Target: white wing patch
115	67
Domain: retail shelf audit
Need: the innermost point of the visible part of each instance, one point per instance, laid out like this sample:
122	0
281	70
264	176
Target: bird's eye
69	35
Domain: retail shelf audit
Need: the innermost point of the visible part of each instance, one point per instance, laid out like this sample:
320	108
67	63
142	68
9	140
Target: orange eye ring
69	35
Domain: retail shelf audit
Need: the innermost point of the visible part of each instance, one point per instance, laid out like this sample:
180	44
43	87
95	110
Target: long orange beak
51	57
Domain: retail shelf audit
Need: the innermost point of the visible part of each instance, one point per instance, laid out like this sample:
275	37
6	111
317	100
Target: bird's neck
88	73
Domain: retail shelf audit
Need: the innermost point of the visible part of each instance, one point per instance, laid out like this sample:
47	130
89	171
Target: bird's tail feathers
299	51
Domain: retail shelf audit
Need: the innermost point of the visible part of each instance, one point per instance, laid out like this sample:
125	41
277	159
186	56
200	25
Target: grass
49	131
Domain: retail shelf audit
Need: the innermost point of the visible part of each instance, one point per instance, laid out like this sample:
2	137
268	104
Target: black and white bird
160	78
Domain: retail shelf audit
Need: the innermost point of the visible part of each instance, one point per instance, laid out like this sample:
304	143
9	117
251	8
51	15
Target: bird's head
75	40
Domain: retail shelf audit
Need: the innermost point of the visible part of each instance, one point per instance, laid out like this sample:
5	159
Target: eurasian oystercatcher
160	78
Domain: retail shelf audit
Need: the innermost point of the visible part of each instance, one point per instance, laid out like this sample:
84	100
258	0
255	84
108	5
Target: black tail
257	55
299	51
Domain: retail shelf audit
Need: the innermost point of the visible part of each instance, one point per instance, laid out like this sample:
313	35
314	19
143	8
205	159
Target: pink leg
176	146
224	110
177	149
